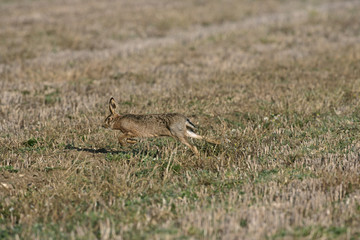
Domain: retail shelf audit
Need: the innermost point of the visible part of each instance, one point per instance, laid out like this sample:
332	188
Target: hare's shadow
142	152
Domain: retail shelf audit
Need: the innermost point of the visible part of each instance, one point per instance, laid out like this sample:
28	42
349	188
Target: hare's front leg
122	139
131	141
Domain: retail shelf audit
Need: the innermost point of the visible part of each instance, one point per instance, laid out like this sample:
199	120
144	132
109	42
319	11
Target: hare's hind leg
186	142
194	135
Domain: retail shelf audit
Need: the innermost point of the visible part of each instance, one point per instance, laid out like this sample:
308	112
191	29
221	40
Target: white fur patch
193	135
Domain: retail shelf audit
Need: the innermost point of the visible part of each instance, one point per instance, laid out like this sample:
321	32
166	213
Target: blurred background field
277	81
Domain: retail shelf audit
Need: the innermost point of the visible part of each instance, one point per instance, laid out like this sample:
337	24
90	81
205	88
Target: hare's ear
112	105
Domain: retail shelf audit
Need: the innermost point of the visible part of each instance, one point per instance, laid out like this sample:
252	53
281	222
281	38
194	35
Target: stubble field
277	82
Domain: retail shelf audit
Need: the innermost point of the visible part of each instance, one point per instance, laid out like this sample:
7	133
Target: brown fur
152	125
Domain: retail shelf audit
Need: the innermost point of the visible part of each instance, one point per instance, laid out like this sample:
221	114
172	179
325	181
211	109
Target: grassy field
277	82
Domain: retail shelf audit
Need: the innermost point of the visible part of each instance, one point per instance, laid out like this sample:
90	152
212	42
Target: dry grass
277	81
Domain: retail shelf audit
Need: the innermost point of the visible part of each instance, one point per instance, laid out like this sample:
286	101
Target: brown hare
152	125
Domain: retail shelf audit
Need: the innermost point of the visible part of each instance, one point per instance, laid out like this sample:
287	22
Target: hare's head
109	121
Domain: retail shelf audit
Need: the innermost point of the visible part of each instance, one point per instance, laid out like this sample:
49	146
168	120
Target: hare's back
152	124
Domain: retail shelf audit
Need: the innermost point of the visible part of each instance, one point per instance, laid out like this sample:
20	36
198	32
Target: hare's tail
191	134
190	124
